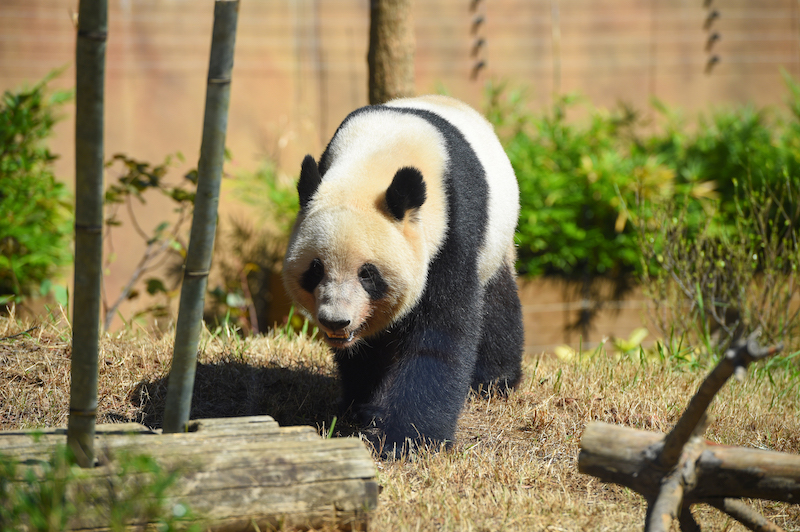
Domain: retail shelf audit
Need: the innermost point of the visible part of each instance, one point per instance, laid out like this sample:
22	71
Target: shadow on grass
292	396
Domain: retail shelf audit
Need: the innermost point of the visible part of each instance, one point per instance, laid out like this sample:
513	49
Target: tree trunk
391	50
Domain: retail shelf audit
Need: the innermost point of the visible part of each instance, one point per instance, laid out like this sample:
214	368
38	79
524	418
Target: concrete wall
300	66
551	309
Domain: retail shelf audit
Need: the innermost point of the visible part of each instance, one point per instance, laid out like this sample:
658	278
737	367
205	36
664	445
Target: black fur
310	179
406	192
502	336
410	382
312	276
372	281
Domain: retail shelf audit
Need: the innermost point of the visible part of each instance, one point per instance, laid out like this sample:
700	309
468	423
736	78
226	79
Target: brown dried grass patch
513	466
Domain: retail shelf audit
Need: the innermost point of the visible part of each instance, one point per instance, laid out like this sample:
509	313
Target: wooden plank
236	471
11	442
27	447
248	422
254	428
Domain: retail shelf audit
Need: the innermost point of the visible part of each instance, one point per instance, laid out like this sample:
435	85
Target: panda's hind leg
499	365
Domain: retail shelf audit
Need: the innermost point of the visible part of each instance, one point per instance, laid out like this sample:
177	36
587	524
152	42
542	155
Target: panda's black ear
309	180
407	191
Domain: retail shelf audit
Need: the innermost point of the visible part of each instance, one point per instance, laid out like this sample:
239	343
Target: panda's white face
358	257
354	272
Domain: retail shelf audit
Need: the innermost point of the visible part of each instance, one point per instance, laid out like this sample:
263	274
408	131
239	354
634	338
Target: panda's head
358	257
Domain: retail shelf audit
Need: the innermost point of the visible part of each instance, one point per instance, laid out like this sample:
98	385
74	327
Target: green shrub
165	249
249	255
737	269
727	149
730	268
714	206
716	285
570	180
274	197
575	181
35	218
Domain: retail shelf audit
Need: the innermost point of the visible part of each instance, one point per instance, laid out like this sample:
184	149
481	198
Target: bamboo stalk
204	219
90	56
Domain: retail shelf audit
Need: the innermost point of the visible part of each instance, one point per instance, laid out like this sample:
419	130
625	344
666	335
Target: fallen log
624	456
676	470
235	472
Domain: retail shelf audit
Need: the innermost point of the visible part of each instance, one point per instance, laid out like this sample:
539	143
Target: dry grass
513	467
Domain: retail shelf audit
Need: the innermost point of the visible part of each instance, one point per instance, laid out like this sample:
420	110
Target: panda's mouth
340	339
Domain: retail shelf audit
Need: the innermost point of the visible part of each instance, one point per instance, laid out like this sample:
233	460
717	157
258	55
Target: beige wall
551	309
300	65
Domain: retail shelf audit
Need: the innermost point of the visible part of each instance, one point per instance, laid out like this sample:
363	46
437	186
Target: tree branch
664	509
744	514
681	468
739	355
686	520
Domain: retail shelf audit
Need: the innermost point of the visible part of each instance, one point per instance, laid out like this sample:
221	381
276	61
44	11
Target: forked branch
736	359
680	469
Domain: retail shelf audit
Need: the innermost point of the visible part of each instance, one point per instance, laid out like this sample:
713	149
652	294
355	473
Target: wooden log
680	469
742	472
628	457
619	454
237	471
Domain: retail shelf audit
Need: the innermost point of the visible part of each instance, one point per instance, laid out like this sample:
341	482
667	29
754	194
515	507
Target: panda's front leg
423	392
362	369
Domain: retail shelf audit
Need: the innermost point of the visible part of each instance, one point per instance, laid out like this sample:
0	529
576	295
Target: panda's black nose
334	325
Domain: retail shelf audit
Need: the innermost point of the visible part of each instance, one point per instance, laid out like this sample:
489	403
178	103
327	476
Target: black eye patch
372	281
312	276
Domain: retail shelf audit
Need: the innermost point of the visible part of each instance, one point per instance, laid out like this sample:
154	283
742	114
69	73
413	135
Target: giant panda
403	254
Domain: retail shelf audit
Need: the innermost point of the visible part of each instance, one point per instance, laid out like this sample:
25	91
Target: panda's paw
385	448
374	438
386	444
369	416
497	388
